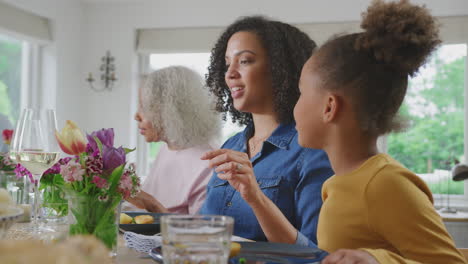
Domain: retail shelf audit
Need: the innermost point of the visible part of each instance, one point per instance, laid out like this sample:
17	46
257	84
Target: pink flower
6	159
94	165
100	182
126	185
7	134
72	171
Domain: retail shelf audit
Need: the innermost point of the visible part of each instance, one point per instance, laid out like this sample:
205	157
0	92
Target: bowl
8	219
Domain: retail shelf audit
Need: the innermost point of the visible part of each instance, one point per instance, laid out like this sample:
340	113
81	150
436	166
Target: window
196	61
435	108
12	76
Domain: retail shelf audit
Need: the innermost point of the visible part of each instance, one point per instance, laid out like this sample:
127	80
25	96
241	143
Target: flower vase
3	179
95	215
54	204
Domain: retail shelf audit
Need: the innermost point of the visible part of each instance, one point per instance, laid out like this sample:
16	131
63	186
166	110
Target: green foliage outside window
154	150
10	78
435	138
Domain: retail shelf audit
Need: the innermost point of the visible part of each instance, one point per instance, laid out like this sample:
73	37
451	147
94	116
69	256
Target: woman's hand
236	168
348	256
146	201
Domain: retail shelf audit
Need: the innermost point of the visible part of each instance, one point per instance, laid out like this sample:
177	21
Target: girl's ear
332	107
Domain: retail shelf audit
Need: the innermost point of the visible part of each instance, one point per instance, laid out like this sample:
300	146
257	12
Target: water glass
196	238
18	188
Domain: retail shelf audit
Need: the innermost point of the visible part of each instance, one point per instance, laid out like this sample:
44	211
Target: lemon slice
235	249
125	219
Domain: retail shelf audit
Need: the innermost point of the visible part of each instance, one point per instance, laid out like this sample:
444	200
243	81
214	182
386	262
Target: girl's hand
236	168
348	256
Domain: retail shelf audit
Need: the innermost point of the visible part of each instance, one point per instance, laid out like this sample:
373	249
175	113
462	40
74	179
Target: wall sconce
107	74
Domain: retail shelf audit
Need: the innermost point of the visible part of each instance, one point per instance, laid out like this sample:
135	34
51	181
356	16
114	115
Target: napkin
141	243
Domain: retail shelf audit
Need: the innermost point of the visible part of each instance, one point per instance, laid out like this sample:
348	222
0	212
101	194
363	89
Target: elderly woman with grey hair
174	108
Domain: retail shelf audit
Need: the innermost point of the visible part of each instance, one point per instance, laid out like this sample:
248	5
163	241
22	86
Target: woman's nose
232	73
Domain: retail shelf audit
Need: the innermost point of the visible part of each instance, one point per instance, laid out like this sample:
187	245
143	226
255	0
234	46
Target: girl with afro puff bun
374	209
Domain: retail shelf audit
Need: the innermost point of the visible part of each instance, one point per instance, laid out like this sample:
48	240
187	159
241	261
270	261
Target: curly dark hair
290	49
373	67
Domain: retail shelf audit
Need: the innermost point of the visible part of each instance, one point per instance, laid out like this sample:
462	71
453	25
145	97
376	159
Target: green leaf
99	144
127	150
58	180
114	179
82	159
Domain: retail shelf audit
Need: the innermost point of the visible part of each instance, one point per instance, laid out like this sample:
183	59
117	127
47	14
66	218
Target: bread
5	202
144	219
125	219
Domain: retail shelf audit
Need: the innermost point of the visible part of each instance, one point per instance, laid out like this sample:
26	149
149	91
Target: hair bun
399	34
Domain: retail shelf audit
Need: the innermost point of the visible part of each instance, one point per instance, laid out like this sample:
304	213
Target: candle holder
107	74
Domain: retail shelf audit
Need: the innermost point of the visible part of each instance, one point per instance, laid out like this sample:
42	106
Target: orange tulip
71	140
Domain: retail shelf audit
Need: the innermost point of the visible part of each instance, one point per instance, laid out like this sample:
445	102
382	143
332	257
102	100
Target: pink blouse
178	179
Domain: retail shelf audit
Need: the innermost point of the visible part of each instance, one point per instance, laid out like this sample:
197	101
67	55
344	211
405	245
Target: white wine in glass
36	162
35	147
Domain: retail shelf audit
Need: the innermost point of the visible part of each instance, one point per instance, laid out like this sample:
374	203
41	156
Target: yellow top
386	210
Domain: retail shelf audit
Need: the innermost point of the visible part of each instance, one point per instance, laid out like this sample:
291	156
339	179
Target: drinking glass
35	147
196	238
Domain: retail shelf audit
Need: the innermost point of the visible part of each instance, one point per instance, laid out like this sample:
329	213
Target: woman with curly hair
374	210
174	108
263	178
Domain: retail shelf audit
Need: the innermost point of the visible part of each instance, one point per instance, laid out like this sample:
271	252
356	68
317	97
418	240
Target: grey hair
179	107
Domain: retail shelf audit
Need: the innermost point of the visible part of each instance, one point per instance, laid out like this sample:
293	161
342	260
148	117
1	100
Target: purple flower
106	136
112	158
91	151
21	171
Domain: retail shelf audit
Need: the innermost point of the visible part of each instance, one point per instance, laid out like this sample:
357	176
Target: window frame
31	92
142	146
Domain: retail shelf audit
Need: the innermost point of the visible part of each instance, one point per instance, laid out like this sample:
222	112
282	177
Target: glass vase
20	192
18	188
54	204
95	215
3	179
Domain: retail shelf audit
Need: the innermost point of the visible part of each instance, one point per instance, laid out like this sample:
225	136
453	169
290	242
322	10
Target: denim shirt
289	175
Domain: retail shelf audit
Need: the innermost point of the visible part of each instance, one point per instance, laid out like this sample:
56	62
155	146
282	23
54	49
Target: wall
61	63
111	26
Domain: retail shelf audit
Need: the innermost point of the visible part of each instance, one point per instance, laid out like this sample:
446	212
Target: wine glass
35	147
